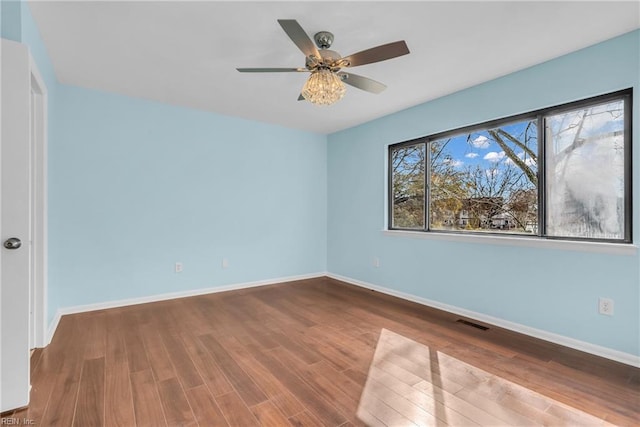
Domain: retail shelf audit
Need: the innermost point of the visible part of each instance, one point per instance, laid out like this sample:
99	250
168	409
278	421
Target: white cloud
481	142
494	157
471	155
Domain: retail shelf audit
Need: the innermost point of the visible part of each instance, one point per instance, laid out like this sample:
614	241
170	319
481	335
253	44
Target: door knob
12	243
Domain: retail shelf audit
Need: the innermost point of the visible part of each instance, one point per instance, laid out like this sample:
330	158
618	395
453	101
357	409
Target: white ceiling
186	53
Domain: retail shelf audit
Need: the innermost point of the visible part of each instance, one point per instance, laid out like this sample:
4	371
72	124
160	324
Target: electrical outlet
376	262
605	306
178	267
225	263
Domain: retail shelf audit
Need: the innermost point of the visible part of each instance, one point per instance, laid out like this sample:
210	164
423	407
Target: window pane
585	172
408	186
486	180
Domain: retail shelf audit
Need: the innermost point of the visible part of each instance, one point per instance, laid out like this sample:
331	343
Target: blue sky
481	150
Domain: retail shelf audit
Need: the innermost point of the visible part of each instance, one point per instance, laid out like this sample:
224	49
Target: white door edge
39	209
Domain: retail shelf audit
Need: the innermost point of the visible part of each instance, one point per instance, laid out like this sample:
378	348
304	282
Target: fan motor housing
323	39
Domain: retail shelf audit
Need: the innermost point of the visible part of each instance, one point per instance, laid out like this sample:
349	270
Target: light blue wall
18	25
135	186
30	35
10	20
552	290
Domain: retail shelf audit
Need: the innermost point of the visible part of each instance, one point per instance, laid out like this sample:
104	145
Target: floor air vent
475	325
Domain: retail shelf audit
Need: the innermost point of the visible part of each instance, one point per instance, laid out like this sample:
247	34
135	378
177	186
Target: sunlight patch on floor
409	384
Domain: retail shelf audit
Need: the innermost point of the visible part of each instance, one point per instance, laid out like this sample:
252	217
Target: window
562	172
585	173
485	180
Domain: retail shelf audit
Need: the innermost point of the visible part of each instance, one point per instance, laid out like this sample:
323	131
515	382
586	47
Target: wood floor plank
157	354
338	379
42	385
356	351
206	365
351	335
146	401
235	410
430	369
467	407
205	408
134	344
324	410
53	368
299	349
34	359
62	402
558	387
318	381
246	388
405	408
327	350
90	404
177	411
277	300
277	393
97	334
570	416
305	419
116	347
434	400
374	411
180	359
196	321
118	398
613	390
254	328
286	402
268	415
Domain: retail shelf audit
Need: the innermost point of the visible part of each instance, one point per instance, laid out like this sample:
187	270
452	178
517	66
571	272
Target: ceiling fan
326	83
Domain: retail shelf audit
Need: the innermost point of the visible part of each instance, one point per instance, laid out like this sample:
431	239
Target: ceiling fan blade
299	37
364	83
270	70
378	53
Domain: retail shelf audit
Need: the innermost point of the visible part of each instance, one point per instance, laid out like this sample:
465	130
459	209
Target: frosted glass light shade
323	88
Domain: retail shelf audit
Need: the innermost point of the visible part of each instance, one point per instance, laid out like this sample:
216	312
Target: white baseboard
167	296
597	350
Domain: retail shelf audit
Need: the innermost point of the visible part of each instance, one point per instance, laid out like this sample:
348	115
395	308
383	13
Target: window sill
522	241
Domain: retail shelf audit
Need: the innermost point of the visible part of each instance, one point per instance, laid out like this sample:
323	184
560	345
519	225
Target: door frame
39	129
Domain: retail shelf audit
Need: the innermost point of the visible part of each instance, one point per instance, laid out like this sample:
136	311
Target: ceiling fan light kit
326	84
323	87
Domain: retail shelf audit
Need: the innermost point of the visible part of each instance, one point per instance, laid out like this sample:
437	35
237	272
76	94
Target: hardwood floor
311	353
